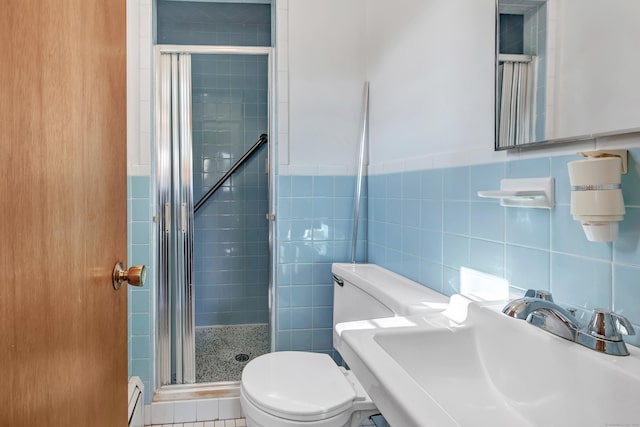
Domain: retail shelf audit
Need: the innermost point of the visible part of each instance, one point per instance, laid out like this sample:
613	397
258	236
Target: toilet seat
299	386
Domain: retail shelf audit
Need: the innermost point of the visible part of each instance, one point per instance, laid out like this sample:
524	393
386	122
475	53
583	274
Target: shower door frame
162	315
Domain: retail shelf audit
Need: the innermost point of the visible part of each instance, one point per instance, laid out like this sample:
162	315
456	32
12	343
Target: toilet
295	388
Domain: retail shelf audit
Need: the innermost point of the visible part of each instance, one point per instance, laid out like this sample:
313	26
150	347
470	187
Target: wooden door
63	328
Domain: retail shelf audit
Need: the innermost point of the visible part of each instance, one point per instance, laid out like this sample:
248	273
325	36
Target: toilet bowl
295	389
287	389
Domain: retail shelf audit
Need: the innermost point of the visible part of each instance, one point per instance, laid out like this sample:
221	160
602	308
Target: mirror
566	70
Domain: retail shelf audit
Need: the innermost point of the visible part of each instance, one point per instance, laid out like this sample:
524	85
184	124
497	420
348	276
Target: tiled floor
240	422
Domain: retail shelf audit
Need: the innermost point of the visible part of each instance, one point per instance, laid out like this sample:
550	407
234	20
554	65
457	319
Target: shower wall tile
531	248
231	232
238	24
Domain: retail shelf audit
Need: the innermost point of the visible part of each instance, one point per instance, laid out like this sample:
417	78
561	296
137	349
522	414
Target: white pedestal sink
474	366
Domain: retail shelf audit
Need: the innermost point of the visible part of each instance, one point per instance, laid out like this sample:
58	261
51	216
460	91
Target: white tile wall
229	408
162	412
282	65
139	55
185	411
193	411
207	409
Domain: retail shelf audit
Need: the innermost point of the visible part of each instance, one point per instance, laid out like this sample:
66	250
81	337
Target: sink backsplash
428	224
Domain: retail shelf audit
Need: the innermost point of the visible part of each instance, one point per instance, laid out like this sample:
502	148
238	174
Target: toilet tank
368	291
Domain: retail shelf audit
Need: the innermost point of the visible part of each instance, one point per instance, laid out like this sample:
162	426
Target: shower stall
214	184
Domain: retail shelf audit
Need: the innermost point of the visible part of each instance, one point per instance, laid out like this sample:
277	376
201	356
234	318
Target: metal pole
363	143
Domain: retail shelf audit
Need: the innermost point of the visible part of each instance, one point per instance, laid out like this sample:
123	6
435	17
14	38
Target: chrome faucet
603	333
538	308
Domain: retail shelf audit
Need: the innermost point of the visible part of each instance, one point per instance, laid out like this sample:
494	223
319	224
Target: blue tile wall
511	34
211	23
532	248
140	307
231	248
315	226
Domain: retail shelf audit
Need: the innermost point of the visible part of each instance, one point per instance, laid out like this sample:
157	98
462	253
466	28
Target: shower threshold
217	390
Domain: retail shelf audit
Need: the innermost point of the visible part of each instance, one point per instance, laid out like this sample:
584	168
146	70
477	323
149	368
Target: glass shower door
231	231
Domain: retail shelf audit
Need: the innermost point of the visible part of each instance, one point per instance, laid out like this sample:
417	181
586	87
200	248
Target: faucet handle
608	325
540	294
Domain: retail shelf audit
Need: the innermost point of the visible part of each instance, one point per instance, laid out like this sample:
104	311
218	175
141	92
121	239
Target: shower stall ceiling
229	112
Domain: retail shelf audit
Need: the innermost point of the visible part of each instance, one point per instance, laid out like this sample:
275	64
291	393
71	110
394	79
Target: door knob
135	275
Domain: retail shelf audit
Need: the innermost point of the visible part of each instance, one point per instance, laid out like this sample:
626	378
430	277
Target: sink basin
474	366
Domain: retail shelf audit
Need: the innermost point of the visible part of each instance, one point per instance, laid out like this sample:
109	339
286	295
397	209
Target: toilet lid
298	386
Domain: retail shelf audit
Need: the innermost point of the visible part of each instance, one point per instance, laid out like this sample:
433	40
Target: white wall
139	77
326	78
431	68
598	66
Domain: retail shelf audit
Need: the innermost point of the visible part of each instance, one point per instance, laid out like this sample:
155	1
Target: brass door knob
135	275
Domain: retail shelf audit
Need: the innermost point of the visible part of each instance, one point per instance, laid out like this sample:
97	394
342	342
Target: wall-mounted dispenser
596	195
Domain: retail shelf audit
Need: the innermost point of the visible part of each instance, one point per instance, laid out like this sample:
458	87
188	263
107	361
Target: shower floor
218	346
